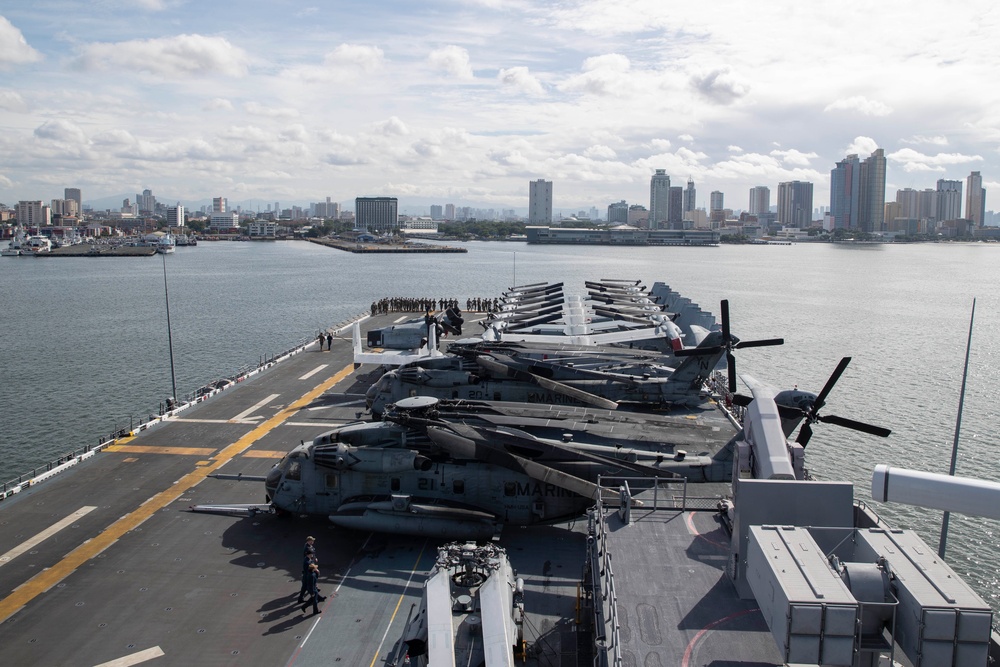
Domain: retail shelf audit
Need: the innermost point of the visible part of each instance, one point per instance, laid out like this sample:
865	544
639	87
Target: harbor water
84	344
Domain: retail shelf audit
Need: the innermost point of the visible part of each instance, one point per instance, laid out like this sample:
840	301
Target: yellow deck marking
135	658
144	449
33	542
46	579
263	454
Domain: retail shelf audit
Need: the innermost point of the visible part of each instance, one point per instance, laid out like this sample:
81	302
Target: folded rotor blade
760	343
856	425
821	397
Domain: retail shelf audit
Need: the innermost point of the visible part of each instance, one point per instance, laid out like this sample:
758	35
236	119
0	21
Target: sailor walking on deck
329	342
312	578
320	339
308	560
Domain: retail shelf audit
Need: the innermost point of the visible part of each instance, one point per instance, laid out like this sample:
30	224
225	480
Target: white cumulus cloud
913	160
392	127
861	146
861	104
357	57
62	131
600	152
218	104
454	60
14	49
602	75
179	56
795	157
11	100
720	86
520	79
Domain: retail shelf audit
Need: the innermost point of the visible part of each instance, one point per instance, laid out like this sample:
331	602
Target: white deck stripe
400	319
313	371
317	423
135	658
45	534
252	409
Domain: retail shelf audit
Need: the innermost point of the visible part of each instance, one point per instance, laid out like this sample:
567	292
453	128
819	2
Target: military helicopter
466	468
540	312
602	377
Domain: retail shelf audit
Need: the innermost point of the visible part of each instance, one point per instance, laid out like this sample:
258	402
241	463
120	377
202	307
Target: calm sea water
83	342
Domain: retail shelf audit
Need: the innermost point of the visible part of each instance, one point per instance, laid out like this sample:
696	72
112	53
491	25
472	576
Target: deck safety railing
165	410
617	492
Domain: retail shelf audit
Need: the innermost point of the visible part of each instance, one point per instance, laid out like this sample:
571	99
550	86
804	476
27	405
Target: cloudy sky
465	101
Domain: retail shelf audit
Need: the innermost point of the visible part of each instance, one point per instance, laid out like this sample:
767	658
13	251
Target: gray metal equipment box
812	615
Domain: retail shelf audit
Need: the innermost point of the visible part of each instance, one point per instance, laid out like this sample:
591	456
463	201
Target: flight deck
107	559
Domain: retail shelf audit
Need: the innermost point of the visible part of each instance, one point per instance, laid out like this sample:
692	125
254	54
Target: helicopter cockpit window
331	480
294	471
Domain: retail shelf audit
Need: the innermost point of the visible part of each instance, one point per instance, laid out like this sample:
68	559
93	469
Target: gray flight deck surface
131	575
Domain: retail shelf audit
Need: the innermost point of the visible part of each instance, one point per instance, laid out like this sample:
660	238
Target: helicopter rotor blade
805	433
500	369
572	392
725	320
871	429
759	343
481	449
821	397
731	363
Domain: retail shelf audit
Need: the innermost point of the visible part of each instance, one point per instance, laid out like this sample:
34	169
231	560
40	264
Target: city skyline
426	102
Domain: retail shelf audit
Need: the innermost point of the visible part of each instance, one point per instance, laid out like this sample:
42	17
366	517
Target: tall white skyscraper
540	202
948	202
760	199
975	199
795	204
175	216
74	194
689	197
219	205
659	199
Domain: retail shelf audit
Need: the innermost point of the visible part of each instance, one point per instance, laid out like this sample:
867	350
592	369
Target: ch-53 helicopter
466	468
521	372
618	312
604	377
551	318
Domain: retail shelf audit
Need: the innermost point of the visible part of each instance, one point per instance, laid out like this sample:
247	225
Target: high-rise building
379	214
948	196
65	208
926	204
618	213
760	200
540	202
146	202
716	209
909	203
175	216
659	199
872	206
437	212
675	211
795	204
857	193
975	199
449	211
219	205
74	194
33	214
689	197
